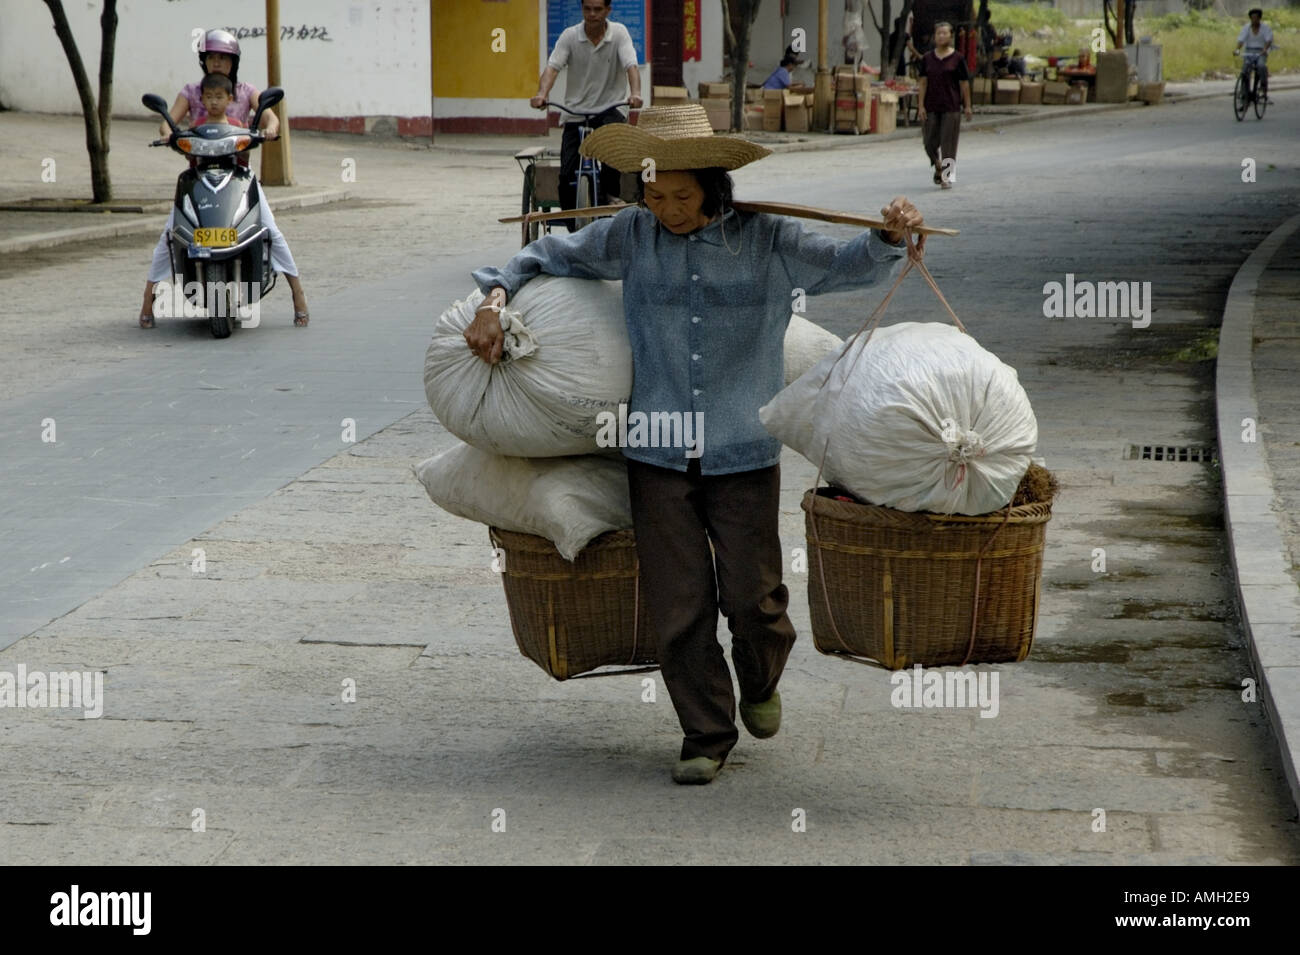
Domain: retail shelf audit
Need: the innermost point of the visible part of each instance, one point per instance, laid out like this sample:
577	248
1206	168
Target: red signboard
690	30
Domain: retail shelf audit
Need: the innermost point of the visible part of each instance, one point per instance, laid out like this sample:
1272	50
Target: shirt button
695	278
695	319
695	358
692	237
695	391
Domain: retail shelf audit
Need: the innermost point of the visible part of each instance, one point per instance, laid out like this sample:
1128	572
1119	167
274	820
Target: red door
666	42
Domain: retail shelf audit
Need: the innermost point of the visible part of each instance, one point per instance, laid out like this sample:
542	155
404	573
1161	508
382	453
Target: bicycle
586	182
1251	86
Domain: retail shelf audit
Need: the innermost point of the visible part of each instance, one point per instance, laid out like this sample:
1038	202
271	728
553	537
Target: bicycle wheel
1261	96
530	229
585	198
1240	98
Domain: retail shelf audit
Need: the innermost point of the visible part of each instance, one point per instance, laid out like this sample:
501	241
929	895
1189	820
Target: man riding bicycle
1257	38
598	54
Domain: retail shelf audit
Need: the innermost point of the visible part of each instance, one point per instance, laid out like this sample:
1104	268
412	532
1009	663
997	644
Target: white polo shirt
597	77
1255	42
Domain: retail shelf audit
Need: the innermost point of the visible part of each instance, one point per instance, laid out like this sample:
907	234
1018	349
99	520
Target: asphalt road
157	445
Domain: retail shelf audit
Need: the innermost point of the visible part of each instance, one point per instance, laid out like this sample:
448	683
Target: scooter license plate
215	238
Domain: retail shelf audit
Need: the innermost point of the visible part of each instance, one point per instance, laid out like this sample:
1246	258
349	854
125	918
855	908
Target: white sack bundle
805	345
926	421
566	360
566	500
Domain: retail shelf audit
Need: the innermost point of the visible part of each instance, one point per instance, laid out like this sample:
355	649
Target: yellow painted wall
464	63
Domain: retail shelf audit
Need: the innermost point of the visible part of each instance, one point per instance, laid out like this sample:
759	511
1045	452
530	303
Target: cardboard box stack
669	96
797	108
1077	94
979	91
716	100
1054	93
852	101
884	111
1031	94
773	104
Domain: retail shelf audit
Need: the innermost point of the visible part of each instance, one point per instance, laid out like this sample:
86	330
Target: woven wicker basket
899	588
571	618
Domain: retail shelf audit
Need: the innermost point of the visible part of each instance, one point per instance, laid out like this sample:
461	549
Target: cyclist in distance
1257	37
601	61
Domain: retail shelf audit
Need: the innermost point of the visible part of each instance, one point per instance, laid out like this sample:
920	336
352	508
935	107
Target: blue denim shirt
707	327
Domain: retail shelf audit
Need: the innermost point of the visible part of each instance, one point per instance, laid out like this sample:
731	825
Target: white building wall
363	59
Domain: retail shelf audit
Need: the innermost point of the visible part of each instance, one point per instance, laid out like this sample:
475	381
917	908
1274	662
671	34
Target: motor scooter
219	247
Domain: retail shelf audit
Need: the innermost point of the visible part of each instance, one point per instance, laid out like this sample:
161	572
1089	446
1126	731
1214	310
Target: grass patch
1204	348
1197	44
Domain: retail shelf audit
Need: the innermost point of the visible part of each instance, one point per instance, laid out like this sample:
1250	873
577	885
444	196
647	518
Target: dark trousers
609	176
676	516
939	134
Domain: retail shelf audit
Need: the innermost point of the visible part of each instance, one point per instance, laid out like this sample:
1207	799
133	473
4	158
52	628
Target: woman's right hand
484	335
920	114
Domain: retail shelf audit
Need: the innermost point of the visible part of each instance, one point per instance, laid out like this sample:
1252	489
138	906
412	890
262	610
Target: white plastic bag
926	420
566	500
567	359
805	345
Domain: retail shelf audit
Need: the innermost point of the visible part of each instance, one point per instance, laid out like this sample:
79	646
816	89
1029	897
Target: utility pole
823	89
277	160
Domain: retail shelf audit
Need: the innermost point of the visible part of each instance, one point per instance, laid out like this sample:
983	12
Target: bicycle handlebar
587	116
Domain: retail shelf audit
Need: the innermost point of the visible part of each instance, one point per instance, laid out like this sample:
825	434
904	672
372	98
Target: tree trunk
100	182
97	119
739	42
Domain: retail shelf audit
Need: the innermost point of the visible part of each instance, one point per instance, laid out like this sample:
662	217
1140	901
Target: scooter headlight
187	207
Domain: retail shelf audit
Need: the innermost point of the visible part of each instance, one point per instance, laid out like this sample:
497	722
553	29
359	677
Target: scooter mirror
270	96
154	102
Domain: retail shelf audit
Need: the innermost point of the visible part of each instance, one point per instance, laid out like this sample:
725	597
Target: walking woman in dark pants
706	297
944	95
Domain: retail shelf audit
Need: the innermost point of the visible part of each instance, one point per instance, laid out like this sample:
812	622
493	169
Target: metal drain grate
1165	452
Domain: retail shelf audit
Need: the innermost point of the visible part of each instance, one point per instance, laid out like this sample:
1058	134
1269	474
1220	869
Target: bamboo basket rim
858	514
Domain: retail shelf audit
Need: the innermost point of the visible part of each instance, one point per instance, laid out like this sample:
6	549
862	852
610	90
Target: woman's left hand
900	214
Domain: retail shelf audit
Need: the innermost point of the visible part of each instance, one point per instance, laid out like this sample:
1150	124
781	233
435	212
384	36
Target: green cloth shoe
697	771
762	719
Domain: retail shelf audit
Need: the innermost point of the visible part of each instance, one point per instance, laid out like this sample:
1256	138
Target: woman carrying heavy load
706	296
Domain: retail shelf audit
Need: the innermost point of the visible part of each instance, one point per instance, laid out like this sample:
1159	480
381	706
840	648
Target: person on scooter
219	53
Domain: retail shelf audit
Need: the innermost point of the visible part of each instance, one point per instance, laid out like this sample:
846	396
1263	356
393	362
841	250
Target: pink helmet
219	41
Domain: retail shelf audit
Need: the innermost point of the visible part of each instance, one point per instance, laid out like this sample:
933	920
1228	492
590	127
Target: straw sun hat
675	137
